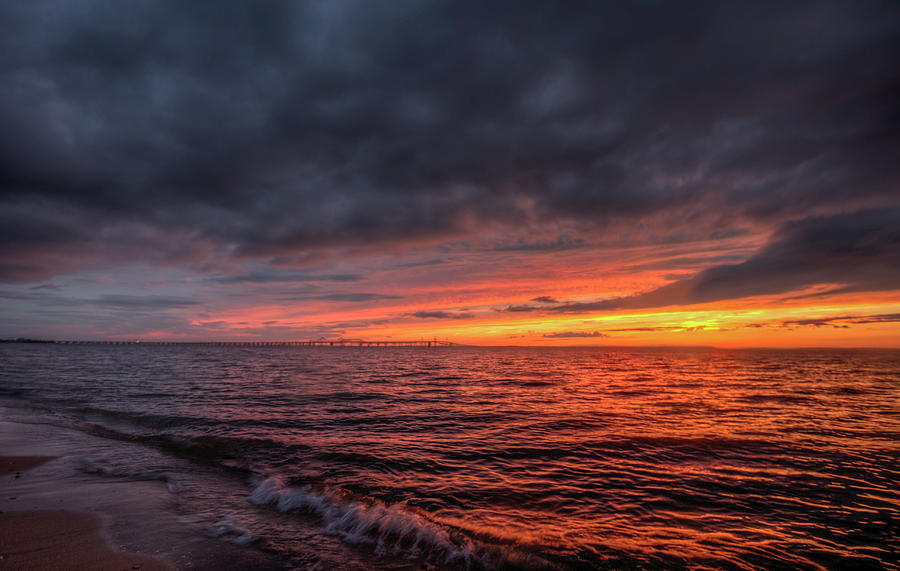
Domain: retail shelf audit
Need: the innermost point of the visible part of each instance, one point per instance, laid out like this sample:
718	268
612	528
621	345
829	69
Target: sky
503	173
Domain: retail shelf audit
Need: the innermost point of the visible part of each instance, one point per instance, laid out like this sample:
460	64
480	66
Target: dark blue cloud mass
257	129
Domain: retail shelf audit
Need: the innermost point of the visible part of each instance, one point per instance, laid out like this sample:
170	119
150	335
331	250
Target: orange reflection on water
577	457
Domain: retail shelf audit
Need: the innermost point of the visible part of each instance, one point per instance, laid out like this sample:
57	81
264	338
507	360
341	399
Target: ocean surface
493	458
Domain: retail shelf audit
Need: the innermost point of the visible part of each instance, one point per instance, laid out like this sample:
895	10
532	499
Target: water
571	458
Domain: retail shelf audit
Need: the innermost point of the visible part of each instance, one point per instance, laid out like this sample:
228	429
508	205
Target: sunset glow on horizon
548	299
700	175
443	284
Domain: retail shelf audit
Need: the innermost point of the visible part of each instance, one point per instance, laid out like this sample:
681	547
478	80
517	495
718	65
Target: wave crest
394	528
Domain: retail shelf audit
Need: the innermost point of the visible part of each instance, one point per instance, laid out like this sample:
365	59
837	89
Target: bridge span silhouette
298	343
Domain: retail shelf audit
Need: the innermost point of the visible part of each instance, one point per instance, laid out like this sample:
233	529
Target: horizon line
433	343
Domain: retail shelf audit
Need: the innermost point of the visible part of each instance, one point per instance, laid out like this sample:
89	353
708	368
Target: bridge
301	343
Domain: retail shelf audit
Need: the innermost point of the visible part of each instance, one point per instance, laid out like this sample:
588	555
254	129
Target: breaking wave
395	529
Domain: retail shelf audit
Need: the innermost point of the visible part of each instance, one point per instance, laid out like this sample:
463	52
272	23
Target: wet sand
41	539
55	516
63	540
15	464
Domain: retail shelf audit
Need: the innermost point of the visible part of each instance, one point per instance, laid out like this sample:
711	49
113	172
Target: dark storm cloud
568	334
143	301
520	308
550	305
545	299
856	252
586	307
687	262
843	321
813	322
275	276
264	128
440	315
48	298
424	263
646	329
859	251
560	243
883	318
349	297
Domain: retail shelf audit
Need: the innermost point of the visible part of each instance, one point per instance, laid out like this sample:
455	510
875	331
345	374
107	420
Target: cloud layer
128	129
858	252
351	153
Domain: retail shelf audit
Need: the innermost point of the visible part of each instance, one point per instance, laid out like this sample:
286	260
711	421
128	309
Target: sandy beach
15	464
58	539
58	512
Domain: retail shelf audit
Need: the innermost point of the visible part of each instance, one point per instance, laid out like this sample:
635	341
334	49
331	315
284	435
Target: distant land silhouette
299	343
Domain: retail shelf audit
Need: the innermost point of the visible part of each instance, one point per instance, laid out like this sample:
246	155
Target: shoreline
38	539
148	502
53	516
18	464
59	539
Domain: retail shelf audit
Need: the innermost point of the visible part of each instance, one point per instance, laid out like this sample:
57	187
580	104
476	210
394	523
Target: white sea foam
229	530
390	528
114	468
